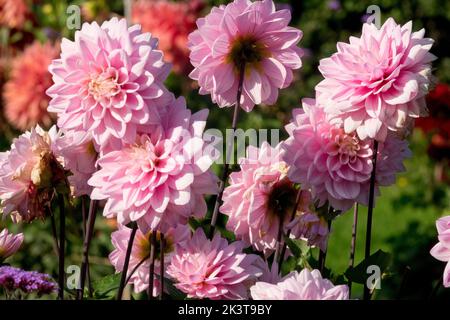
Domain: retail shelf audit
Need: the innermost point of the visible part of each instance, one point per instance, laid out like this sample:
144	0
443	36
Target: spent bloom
213	269
140	253
160	178
109	81
246	33
337	165
29	172
260	197
9	243
441	250
14	279
171	22
304	285
24	93
376	82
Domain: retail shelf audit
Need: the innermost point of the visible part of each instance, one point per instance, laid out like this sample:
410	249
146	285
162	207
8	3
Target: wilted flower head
304	285
260	197
12	279
441	250
9	243
337	165
162	176
140	254
76	152
24	93
213	269
242	32
171	22
13	13
109	81
29	173
374	83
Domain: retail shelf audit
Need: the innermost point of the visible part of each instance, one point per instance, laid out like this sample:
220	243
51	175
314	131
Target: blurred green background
405	214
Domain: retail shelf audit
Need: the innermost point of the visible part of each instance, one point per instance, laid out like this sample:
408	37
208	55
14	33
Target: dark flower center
282	199
246	50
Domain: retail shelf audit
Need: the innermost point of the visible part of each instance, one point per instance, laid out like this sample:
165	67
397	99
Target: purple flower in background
12	279
334	5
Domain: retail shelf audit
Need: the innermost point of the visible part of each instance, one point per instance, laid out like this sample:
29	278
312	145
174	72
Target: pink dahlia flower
141	252
304	285
374	83
171	22
76	152
162	177
337	165
9	243
28	174
213	269
24	93
441	250
109	81
259	196
254	34
13	13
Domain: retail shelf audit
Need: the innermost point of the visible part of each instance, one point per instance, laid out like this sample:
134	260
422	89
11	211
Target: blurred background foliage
405	213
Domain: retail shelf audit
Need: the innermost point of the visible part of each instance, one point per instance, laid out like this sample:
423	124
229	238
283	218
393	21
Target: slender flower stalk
136	268
151	278
323	253
370	210
126	262
229	152
288	233
62	243
353	244
278	248
161	264
86	245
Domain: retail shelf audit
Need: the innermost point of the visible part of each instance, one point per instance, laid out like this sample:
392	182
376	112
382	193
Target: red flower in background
171	23
24	93
13	13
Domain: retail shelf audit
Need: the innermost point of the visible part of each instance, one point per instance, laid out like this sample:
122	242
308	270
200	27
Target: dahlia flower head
109	81
13	13
213	269
9	243
303	285
141	252
171	22
260	196
336	165
246	33
24	93
76	152
376	82
26	175
162	177
441	250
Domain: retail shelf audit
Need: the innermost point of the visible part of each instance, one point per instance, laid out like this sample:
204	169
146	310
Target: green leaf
106	287
298	247
174	293
359	273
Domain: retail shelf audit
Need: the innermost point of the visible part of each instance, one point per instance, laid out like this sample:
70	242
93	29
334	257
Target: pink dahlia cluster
24	93
376	82
9	243
13	13
109	82
261	196
213	269
162	177
171	22
441	250
304	285
140	254
247	33
337	165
